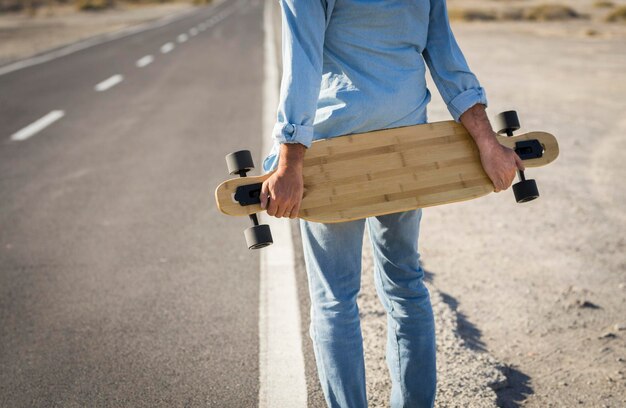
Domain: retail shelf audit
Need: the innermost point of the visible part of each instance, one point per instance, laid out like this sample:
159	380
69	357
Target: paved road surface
119	282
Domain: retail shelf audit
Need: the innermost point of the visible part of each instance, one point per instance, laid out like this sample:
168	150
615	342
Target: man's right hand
281	193
499	162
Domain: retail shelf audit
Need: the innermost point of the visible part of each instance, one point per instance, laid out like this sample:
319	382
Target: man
352	66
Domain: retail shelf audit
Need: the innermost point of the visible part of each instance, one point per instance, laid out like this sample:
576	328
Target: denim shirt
352	66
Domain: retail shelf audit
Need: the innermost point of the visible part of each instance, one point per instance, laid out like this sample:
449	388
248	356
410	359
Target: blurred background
122	285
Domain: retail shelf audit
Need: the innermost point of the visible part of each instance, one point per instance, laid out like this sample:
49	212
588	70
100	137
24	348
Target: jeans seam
398	365
379	272
320	367
402	387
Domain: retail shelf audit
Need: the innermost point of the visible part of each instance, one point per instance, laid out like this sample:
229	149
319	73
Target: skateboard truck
524	190
259	235
248	194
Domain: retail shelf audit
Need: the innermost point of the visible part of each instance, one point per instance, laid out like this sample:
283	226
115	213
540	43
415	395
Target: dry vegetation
457	14
603	4
592	11
551	12
617	15
545	12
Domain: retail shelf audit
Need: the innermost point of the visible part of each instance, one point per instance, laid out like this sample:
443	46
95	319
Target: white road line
143	61
101	39
281	362
38	125
109	83
193	31
167	47
182	38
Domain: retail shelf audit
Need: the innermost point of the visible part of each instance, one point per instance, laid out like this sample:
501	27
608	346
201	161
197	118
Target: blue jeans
333	262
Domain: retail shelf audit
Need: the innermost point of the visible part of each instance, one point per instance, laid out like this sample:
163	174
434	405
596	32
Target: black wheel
258	237
240	161
525	191
507	122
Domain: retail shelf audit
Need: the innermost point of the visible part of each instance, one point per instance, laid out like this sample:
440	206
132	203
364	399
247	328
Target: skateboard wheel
240	161
507	122
258	237
525	191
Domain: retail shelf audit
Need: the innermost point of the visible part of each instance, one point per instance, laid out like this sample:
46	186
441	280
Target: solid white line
167	47
38	125
143	61
182	38
109	83
281	362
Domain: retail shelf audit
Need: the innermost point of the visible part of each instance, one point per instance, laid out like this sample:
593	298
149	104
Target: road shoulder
25	37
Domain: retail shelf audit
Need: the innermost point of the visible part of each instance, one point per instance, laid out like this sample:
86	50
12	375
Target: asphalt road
120	283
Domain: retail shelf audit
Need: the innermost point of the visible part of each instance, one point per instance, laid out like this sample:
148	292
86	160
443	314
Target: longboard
386	171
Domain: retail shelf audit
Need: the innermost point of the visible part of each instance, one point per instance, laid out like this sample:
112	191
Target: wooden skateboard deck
387	171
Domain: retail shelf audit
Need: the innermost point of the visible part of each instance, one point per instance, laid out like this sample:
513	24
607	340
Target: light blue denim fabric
353	66
333	261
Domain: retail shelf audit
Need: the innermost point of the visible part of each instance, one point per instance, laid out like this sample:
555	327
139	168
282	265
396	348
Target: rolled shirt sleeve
457	85
304	24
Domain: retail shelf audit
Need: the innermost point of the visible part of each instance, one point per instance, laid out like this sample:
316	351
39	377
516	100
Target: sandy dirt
540	287
22	36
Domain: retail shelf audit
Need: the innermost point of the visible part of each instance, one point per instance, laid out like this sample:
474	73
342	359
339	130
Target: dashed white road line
193	31
101	39
143	61
109	83
37	126
167	47
182	38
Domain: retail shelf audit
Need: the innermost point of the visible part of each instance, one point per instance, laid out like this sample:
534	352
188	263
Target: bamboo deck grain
387	171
